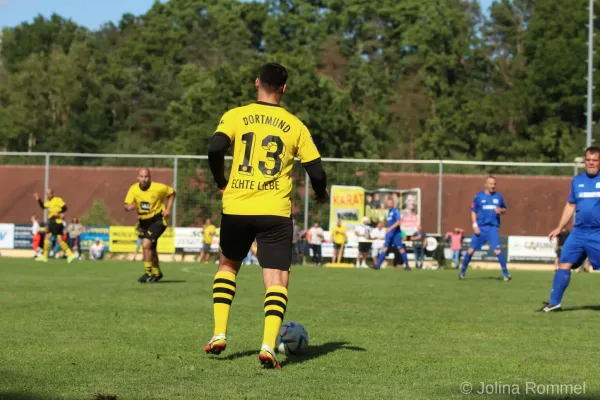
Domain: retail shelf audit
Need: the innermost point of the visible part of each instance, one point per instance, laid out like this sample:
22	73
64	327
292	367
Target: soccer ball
292	339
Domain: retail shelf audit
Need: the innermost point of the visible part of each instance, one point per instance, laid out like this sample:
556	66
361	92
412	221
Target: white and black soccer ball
293	339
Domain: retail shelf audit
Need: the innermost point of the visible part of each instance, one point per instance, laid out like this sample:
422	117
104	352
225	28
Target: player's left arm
310	158
63	209
501	209
170	195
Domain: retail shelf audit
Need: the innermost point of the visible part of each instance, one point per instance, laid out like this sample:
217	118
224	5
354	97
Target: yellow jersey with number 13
266	138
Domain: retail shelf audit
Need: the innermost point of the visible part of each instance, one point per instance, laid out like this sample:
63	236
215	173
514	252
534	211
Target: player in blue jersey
584	240
486	209
393	237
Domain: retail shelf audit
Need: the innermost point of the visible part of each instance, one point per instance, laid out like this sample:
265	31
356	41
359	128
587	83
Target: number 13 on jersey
269	153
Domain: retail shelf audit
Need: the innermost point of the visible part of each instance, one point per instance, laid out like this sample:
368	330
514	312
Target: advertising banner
91	233
124	238
347	205
189	240
407	200
7	236
530	248
22	238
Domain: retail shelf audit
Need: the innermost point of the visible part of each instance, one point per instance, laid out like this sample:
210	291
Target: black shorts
364	247
153	228
337	246
55	228
273	235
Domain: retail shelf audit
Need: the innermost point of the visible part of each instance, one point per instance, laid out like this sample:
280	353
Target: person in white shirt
363	234
316	236
378	239
96	250
36	236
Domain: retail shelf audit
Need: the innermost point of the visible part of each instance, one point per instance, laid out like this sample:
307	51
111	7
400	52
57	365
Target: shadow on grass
314	352
171	281
580	308
311	353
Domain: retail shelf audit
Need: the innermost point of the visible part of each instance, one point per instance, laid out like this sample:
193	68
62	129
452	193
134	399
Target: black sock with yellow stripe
223	293
148	267
275	304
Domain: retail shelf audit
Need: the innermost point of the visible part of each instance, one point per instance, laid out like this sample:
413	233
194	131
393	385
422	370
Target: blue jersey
484	205
393	216
585	194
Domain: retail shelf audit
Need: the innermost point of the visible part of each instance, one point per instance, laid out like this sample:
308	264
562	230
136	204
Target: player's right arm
220	142
39	200
130	200
474	210
311	161
567	213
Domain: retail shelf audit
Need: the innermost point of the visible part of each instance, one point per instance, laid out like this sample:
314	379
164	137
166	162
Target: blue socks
502	260
466	262
405	259
559	285
381	258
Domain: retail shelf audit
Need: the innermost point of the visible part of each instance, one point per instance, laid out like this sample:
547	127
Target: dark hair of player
272	77
592	150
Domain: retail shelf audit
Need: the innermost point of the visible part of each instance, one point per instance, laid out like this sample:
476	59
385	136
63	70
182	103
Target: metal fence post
46	183
440	188
306	189
174	211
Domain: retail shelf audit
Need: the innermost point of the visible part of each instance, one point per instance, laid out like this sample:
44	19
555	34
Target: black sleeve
219	143
41	203
317	176
64	209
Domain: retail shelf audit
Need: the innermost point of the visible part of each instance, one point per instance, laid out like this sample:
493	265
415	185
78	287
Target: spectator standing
208	234
36	236
363	233
74	230
339	236
455	238
295	244
418	240
315	239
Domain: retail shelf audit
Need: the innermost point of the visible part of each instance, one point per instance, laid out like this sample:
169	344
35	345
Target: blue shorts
393	239
488	234
582	244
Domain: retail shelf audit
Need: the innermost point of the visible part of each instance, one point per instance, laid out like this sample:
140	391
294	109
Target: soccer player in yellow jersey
339	238
148	199
56	213
209	232
256	201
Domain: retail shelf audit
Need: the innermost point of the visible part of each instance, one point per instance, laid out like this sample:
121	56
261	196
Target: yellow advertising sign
124	238
347	205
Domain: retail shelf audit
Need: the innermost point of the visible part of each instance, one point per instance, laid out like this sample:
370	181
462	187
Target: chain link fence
95	185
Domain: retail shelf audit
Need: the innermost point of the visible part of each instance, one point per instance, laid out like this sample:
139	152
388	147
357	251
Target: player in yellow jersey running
56	214
256	201
148	199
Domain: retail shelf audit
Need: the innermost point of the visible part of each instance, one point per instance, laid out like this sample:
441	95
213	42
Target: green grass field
74	331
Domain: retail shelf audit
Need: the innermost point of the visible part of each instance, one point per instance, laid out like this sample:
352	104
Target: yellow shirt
149	202
266	138
209	231
339	234
54	206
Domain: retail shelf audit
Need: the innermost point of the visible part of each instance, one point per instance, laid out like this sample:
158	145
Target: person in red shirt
455	245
